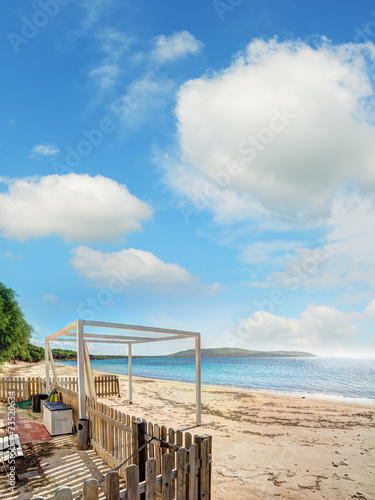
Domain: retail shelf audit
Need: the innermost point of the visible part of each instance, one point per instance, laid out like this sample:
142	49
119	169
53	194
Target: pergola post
130	373
198	380
46	357
81	371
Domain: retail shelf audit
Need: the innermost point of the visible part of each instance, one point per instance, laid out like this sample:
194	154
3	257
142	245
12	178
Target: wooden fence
23	388
189	480
105	385
115	436
173	463
19	388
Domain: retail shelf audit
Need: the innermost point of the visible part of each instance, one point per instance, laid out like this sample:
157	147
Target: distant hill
37	354
228	352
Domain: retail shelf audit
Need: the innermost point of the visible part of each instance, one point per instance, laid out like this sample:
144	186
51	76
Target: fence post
112	487
64	494
204	472
90	490
139	430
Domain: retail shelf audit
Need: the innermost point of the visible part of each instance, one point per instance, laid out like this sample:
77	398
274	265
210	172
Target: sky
205	166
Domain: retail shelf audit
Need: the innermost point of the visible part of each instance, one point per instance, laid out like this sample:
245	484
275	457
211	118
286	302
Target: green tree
15	331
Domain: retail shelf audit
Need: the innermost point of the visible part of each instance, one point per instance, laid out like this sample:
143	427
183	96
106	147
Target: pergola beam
138	328
113	337
66	329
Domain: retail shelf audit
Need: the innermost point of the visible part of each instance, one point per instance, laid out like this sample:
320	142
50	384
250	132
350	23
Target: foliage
15	331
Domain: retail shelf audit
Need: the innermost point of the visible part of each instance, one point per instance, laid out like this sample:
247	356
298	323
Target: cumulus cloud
317	329
75	207
44	150
170	48
344	261
130	266
282	129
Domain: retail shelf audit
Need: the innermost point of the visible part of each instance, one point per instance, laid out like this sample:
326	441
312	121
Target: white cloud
268	251
318	329
289	122
70	346
8	255
130	266
76	207
50	298
105	75
94	10
370	310
143	98
114	44
170	48
345	262
44	150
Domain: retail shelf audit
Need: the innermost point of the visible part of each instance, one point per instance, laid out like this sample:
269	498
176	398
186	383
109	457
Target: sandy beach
264	445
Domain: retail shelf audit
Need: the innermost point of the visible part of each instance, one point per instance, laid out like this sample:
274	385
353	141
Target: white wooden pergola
79	331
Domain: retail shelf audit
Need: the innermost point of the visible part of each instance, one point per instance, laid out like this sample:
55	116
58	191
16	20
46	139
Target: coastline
264	445
297	394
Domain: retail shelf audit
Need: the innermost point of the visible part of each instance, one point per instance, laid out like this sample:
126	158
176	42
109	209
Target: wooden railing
20	388
116	436
189	480
105	385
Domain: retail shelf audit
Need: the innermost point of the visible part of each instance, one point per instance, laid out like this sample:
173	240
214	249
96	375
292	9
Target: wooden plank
181	490
90	490
112	487
132	483
209	439
167	477
151	489
150	432
143	453
157	449
110	431
193	472
188	440
204	470
164	434
171	439
128	437
65	493
179	438
135	442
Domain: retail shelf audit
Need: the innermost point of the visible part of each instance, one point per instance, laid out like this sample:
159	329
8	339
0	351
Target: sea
326	378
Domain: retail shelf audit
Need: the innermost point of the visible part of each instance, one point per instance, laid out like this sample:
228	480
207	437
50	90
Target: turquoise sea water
322	377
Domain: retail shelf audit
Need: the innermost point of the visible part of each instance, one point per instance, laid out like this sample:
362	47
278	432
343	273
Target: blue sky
208	166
